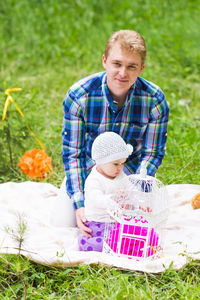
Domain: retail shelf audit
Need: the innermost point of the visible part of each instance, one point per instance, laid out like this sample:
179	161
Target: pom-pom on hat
108	147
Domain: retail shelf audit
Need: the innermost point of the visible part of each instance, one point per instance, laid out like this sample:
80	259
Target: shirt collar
108	95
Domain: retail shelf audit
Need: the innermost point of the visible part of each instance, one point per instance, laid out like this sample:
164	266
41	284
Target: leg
94	243
63	214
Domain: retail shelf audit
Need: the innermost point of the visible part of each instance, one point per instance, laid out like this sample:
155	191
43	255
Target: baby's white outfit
99	190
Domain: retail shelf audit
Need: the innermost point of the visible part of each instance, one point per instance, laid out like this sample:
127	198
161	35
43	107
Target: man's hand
81	219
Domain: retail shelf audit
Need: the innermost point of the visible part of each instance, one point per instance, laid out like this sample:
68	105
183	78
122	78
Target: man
116	100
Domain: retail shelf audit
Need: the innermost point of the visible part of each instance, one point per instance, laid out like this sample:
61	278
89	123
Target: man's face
122	69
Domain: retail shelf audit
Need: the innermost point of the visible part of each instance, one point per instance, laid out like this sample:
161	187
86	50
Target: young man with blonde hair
117	100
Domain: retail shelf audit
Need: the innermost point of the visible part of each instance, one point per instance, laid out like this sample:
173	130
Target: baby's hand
121	196
146	208
125	206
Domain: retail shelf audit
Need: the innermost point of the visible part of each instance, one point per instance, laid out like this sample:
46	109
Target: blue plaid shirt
89	109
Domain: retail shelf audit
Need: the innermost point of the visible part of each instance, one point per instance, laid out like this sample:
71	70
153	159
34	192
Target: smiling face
122	69
112	169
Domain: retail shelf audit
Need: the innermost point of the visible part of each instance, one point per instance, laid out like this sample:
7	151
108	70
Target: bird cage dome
139	214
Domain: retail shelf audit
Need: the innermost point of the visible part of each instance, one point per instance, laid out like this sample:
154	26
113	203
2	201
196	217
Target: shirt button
117	124
65	132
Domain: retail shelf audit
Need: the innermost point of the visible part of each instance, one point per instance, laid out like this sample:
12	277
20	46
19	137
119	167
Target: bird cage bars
139	216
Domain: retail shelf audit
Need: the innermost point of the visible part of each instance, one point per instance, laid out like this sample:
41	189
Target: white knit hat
109	146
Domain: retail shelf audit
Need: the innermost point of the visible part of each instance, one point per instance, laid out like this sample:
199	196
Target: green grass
22	278
45	47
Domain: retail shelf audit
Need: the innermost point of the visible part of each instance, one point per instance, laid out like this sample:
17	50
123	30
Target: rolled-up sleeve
73	149
154	142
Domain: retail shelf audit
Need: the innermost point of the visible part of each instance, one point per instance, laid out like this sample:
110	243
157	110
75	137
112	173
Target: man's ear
104	61
142	68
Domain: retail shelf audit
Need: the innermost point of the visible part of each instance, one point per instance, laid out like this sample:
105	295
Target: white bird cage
139	214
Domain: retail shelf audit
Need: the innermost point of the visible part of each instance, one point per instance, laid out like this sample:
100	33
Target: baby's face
112	169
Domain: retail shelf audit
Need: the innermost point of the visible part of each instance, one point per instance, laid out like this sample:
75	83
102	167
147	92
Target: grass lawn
45	47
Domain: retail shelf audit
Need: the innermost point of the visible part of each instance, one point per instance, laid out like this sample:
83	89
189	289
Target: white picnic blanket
30	204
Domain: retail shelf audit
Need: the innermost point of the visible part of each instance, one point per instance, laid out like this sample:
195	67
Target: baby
109	151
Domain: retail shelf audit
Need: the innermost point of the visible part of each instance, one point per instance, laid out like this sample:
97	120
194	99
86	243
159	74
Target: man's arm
154	142
74	156
73	149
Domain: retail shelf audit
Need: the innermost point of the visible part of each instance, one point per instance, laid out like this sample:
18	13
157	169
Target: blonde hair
129	40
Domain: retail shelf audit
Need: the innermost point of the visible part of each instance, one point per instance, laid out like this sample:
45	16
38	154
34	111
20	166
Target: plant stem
8	138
